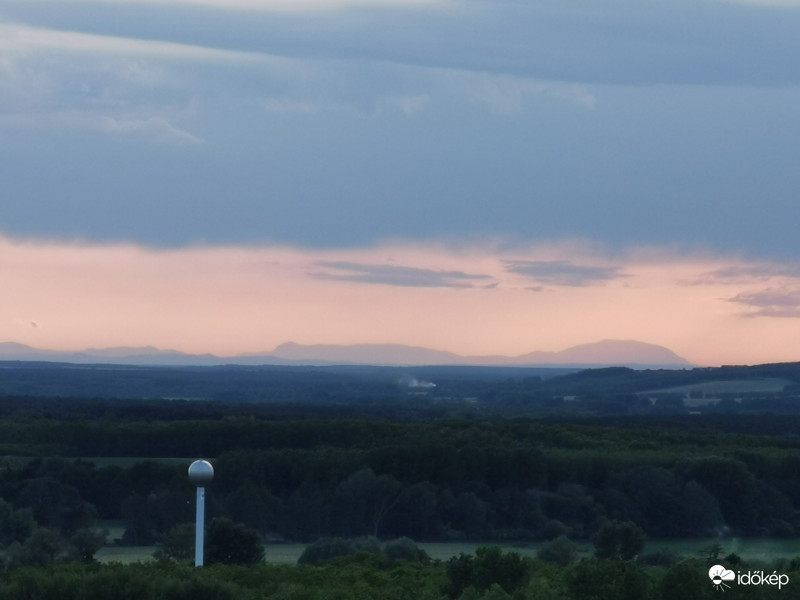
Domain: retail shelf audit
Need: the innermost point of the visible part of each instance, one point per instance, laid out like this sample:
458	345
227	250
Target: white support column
201	473
200	522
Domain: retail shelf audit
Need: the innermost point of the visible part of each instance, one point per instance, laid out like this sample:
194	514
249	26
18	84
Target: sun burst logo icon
719	575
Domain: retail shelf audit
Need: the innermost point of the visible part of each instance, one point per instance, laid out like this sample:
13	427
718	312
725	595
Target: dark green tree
327	549
560	551
56	505
404	549
177	543
86	542
364	499
592	579
15	525
489	566
254	506
622	541
43	547
688	579
232	543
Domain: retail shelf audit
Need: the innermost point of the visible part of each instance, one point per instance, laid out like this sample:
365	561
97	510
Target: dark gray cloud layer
396	275
613	42
560	272
675	122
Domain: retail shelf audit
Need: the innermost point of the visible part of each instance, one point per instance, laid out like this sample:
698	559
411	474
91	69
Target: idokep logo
719	577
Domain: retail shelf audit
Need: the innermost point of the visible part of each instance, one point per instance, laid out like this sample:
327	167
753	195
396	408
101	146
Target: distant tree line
373	391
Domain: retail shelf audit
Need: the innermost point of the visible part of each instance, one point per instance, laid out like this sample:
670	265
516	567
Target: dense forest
375	455
302	478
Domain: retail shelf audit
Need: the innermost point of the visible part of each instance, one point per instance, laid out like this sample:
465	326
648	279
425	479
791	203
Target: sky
477	176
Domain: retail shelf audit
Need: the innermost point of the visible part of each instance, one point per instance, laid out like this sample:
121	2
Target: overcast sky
479	176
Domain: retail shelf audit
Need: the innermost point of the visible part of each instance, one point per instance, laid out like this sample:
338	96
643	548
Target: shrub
560	551
618	540
177	543
232	543
325	550
660	558
404	549
489	566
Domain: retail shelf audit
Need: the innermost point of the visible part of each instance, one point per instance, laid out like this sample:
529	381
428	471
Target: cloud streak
151	127
564	273
748	273
771	302
582	43
288	6
396	275
17	39
114	87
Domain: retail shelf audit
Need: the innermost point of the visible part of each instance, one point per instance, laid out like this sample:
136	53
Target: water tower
201	473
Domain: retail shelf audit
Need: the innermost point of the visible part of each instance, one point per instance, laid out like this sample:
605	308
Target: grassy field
289	553
125	554
127	462
767	385
757	549
754	549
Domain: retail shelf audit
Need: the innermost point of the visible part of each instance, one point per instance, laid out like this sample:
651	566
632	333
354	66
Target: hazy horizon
600	353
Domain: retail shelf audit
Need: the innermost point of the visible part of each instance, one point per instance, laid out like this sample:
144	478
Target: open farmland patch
768	385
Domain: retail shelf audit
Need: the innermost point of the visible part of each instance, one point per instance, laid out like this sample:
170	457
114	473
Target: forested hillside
364	454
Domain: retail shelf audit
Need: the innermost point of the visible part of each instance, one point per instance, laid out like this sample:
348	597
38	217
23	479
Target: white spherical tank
201	473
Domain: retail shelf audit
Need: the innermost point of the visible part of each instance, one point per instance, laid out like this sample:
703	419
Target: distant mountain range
628	353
